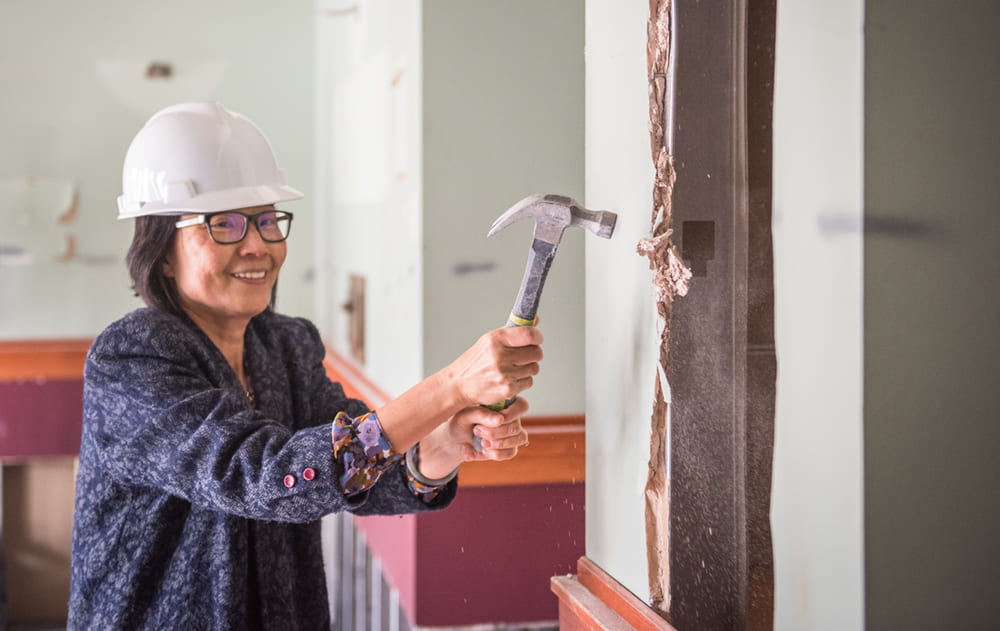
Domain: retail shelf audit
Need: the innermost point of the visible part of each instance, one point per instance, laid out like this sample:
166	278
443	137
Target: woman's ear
168	267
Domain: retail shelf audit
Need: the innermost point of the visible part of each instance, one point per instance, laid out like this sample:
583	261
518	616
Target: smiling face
222	287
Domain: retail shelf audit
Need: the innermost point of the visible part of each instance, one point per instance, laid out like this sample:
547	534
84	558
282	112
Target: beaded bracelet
412	458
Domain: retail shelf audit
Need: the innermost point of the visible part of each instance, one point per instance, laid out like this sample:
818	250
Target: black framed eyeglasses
230	226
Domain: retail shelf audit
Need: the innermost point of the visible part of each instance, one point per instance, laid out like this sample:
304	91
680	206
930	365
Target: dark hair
152	240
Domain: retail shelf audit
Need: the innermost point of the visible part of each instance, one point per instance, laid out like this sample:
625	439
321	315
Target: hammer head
553	214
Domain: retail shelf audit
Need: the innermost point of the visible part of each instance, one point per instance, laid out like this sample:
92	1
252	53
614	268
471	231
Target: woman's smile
256	277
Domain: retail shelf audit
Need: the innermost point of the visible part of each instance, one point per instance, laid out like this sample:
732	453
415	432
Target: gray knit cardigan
184	514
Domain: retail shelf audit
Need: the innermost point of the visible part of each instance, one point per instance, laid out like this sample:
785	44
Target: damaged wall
621	319
76	91
622	329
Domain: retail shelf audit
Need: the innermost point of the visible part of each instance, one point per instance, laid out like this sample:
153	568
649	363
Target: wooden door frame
719	338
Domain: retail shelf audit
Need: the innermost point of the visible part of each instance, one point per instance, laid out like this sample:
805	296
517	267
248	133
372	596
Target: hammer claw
553	214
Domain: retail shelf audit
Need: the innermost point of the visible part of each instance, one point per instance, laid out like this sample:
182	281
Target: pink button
290	480
308	473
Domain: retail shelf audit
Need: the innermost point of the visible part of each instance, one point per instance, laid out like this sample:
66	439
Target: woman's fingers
503	436
502	433
520	439
499	365
489	418
521	371
520	335
517	358
505	449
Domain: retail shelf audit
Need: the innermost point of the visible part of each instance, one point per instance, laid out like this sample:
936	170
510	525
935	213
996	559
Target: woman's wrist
413	463
440	452
448	383
407	419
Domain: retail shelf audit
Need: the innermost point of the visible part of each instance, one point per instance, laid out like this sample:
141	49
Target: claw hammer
552	215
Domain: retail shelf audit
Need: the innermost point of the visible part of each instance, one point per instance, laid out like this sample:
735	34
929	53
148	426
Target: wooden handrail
24	360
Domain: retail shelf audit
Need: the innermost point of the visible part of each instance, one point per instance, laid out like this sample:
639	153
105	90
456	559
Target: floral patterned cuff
425	492
365	454
363	451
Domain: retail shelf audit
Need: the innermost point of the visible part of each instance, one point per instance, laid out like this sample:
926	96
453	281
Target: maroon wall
40	418
487	558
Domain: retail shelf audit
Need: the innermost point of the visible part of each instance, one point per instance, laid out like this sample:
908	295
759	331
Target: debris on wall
39	218
670	279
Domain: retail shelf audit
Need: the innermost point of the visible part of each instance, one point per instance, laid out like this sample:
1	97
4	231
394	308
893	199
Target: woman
213	441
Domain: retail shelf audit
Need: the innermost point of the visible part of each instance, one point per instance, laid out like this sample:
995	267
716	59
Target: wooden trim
594	600
581	610
23	360
556	453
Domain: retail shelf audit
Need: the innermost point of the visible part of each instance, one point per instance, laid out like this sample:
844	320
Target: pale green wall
434	118
503	119
74	95
818	200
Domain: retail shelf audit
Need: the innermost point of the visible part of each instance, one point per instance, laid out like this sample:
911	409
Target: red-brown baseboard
593	600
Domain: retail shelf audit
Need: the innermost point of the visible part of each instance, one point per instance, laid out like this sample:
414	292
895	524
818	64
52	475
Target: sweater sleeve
162	418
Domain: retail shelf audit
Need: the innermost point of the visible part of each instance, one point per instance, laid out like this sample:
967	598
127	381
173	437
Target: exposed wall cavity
670	279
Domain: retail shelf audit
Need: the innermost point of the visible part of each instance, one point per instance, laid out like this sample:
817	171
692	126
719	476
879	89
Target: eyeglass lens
231	227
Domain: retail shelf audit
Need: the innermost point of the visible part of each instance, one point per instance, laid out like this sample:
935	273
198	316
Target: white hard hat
199	158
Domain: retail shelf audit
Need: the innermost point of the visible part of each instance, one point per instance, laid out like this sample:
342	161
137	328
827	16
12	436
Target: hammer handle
536	270
525	309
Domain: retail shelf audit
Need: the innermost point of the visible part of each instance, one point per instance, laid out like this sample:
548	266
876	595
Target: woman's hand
452	442
498	366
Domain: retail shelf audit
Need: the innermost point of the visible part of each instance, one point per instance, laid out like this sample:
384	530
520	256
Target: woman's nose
253	243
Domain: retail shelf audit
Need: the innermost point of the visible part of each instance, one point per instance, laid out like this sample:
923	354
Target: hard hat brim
231	199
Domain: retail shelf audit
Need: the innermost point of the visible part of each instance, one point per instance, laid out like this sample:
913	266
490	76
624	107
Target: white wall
622	339
370	180
74	95
818	201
